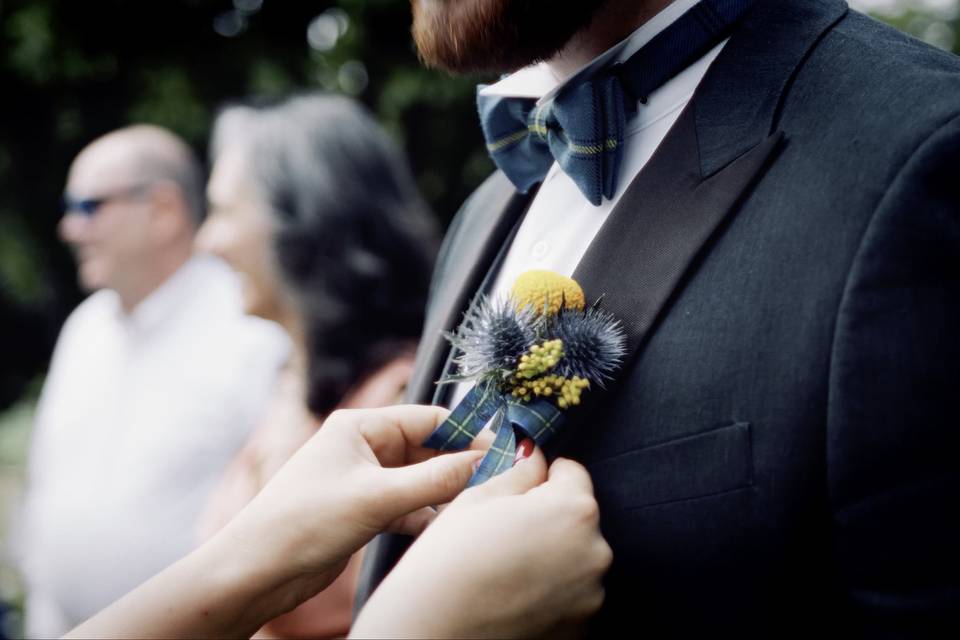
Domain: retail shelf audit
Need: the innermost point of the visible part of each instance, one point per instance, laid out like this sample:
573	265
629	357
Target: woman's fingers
525	475
396	434
483	440
433	481
567	474
415	523
554	575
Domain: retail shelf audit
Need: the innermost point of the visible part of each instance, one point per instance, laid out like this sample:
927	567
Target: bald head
141	195
143	154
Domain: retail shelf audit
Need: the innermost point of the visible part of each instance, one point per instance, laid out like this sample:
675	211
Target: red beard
495	36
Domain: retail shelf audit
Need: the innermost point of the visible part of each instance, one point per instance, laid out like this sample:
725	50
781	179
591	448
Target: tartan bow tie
583	126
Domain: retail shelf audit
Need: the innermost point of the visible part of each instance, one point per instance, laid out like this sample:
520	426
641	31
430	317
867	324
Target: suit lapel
660	226
487	220
738	102
705	167
707	163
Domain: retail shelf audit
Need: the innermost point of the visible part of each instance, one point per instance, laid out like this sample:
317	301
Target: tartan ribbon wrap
539	419
583	126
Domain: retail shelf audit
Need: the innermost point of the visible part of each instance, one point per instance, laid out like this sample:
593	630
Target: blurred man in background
156	381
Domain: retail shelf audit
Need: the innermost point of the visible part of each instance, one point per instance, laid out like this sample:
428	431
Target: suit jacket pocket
697	466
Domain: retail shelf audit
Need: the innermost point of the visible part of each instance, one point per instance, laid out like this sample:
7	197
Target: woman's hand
511	558
362	472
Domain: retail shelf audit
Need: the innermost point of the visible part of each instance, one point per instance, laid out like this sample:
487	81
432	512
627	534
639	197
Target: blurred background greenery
71	71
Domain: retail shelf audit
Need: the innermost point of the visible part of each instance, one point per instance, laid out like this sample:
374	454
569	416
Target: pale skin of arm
548	577
364	472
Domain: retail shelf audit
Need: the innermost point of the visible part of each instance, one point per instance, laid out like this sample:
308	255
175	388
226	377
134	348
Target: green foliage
30	33
168	98
941	28
21	271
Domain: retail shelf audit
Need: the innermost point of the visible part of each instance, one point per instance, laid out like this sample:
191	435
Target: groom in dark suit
780	235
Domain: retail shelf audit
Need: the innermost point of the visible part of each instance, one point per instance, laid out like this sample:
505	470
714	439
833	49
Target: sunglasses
87	207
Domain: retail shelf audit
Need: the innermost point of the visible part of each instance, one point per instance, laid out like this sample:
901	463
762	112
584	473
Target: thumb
525	475
434	481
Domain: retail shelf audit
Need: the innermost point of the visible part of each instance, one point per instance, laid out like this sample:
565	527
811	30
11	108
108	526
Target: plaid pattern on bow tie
583	127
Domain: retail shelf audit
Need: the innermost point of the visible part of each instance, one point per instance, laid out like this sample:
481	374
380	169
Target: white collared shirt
561	223
137	421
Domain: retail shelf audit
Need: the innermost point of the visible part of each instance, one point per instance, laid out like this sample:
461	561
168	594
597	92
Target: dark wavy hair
354	240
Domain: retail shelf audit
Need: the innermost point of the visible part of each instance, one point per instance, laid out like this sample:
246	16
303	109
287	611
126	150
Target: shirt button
540	249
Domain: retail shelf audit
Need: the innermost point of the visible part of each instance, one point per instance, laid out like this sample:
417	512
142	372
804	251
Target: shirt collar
539	81
166	298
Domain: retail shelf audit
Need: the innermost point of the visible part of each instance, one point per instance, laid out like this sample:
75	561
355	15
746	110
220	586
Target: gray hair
354	240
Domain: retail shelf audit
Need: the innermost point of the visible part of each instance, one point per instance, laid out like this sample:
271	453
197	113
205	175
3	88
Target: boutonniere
531	356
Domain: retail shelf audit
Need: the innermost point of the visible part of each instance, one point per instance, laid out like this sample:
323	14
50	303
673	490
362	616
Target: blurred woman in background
316	209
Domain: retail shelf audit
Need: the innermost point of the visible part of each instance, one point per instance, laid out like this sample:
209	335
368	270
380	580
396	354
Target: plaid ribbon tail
538	419
466	420
499	456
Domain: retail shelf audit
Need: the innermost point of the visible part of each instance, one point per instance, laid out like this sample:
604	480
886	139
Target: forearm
297	535
389	614
223	589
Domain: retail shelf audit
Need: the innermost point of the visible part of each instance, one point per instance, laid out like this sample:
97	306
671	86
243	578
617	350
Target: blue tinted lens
89	207
86	207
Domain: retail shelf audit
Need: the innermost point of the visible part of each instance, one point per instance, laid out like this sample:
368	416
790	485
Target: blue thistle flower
492	336
594	344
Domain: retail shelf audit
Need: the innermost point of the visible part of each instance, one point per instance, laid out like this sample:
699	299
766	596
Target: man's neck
164	267
614	22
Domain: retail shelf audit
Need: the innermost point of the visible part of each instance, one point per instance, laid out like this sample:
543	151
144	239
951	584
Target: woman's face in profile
239	228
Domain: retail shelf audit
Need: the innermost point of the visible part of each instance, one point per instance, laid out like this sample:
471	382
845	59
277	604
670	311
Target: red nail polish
524	449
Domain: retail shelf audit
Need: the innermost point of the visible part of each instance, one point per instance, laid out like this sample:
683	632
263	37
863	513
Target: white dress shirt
561	223
137	420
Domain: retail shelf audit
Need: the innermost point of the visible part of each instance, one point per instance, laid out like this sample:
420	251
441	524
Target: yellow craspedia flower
538	289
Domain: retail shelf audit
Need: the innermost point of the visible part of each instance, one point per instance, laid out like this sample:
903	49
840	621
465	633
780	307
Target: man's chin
90	277
495	36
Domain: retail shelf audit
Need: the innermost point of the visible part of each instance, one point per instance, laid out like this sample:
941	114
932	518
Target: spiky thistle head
594	344
492	336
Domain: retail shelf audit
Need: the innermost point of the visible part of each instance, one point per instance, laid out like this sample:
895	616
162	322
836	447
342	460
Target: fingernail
476	464
524	449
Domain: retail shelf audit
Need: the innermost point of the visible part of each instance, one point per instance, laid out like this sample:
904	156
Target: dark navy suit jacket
780	455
